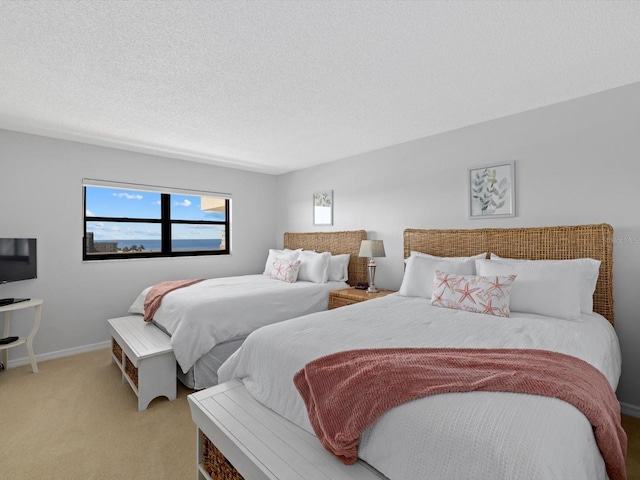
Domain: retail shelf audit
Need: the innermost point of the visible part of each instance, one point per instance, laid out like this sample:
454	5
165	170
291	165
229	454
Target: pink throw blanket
348	391
155	295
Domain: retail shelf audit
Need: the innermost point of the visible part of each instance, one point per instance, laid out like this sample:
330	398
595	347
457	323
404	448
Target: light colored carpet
76	420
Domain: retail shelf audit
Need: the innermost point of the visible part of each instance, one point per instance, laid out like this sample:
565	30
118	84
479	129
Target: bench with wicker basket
239	439
145	357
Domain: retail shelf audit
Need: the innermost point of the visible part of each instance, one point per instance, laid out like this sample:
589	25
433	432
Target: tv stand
36	303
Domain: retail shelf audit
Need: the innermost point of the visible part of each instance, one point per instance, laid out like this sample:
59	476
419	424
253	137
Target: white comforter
479	435
213	311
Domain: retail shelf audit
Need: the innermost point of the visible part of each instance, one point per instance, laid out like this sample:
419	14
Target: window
134	221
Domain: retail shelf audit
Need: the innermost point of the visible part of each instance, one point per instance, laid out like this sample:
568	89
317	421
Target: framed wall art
492	191
323	208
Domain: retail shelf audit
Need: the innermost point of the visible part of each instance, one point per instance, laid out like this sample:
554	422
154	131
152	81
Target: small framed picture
323	208
492	191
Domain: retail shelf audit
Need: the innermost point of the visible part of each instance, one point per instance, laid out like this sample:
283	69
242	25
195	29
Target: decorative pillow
282	254
418	275
543	288
285	270
488	295
339	267
314	267
589	271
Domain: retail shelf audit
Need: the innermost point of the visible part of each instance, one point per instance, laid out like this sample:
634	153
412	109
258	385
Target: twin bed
470	435
209	320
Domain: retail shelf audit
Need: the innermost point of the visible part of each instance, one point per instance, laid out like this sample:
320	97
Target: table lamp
372	249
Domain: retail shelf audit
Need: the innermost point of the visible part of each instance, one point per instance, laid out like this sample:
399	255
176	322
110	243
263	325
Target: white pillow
418	275
282	254
543	288
314	267
285	270
589	271
339	267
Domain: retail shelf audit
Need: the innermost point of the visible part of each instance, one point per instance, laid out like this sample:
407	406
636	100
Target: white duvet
213	311
478	435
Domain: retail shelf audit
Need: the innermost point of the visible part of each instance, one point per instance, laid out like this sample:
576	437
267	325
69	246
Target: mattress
474	435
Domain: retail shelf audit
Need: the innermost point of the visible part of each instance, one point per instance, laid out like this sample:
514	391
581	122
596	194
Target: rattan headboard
336	243
554	243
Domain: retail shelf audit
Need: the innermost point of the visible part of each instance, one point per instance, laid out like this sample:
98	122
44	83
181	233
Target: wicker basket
215	463
117	350
131	370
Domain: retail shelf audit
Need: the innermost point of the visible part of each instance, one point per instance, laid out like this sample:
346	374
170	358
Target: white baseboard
631	410
59	354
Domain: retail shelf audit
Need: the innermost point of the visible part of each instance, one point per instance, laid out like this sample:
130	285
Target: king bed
562	307
208	320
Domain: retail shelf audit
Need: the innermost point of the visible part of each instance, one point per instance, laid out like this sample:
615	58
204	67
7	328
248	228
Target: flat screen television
18	260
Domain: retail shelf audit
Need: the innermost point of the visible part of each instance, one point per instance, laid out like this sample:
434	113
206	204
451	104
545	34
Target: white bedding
477	435
213	311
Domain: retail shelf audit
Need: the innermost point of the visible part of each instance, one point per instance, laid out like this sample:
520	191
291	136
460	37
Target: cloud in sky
128	196
184	203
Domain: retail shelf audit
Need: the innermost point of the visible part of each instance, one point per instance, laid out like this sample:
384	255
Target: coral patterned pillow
285	270
473	293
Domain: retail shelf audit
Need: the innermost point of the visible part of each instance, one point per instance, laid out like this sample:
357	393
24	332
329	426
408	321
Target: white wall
576	163
41	196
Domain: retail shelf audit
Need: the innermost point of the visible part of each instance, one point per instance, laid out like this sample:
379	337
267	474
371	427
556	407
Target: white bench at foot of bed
260	444
144	355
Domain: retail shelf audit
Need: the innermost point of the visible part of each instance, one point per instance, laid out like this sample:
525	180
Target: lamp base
372	275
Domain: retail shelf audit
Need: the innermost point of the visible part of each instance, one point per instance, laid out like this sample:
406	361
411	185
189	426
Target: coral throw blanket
155	295
348	391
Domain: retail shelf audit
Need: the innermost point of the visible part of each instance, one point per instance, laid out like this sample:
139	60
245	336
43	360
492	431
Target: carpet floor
76	420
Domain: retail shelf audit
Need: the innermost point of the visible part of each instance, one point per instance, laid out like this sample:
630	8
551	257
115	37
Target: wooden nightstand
351	295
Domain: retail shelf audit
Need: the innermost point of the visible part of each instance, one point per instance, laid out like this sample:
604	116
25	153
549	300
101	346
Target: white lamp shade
371	248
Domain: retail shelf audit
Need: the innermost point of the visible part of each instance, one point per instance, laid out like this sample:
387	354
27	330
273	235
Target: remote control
4	341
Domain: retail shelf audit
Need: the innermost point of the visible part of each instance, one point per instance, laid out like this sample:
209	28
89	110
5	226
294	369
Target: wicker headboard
554	243
336	243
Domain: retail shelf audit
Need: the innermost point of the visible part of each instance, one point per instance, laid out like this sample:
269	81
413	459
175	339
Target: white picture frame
323	207
492	192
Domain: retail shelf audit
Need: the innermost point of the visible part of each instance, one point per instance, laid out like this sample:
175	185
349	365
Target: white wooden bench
144	355
258	443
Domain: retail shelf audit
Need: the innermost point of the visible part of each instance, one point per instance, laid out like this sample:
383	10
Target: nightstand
351	295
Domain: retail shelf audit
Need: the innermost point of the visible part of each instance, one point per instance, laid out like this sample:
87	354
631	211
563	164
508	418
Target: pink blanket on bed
348	391
155	295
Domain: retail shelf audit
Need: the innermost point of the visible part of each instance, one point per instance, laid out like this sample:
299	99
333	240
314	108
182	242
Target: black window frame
165	223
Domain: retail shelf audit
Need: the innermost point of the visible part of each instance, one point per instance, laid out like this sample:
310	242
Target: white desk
36	303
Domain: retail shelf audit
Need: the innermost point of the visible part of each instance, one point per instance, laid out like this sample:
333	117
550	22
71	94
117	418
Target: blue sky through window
112	202
136	204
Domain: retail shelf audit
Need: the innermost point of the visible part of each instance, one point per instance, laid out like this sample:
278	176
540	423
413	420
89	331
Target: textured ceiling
275	86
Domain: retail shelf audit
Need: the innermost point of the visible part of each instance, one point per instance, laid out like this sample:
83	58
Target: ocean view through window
125	222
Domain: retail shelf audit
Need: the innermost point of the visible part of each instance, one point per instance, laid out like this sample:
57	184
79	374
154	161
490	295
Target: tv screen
17	259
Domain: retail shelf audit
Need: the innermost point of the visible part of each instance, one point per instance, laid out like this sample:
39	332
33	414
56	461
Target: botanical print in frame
323	208
492	191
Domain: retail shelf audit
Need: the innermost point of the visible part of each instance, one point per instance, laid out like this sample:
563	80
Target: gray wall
41	196
576	163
